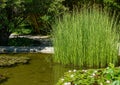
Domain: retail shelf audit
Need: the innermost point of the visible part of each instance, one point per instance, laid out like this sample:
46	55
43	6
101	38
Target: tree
42	18
40	14
12	14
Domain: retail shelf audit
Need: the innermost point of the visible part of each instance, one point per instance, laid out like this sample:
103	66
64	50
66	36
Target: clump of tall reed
87	39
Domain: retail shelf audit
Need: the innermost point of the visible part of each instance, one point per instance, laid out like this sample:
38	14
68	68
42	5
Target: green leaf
0	26
28	0
116	82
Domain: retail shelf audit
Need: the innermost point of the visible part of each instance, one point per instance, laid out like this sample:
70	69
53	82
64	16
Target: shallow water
40	71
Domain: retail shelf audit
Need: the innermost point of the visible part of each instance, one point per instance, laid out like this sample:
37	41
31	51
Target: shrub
87	39
42	18
23	42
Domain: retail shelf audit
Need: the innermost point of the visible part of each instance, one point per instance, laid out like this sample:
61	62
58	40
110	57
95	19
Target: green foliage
87	39
23	31
23	42
112	4
117	82
11	14
104	3
107	76
9	61
42	18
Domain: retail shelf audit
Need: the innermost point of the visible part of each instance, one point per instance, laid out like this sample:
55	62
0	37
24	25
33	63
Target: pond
40	71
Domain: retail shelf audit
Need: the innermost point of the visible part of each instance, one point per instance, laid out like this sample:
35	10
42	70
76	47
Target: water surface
40	71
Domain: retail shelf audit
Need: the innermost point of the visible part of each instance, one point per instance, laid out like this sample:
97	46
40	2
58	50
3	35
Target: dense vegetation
23	42
39	15
12	14
87	39
106	76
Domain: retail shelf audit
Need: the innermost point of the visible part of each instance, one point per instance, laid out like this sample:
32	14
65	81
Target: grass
87	39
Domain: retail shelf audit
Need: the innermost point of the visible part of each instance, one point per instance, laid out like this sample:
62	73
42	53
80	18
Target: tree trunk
4	36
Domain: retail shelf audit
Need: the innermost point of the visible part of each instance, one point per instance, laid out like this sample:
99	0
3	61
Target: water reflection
40	71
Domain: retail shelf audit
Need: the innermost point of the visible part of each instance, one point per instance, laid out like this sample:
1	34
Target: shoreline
25	49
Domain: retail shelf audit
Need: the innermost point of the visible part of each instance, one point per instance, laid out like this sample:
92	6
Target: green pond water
40	71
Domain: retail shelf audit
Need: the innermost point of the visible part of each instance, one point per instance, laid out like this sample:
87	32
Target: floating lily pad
2	78
9	61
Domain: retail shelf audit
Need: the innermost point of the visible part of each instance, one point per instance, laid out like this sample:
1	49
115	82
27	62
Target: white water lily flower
62	79
95	71
69	71
67	83
93	74
72	76
74	70
84	71
108	81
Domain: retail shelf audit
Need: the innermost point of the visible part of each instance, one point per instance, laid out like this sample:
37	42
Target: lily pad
9	61
2	78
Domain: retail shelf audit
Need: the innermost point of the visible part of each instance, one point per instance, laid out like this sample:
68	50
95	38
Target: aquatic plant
9	61
106	76
87	38
2	78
